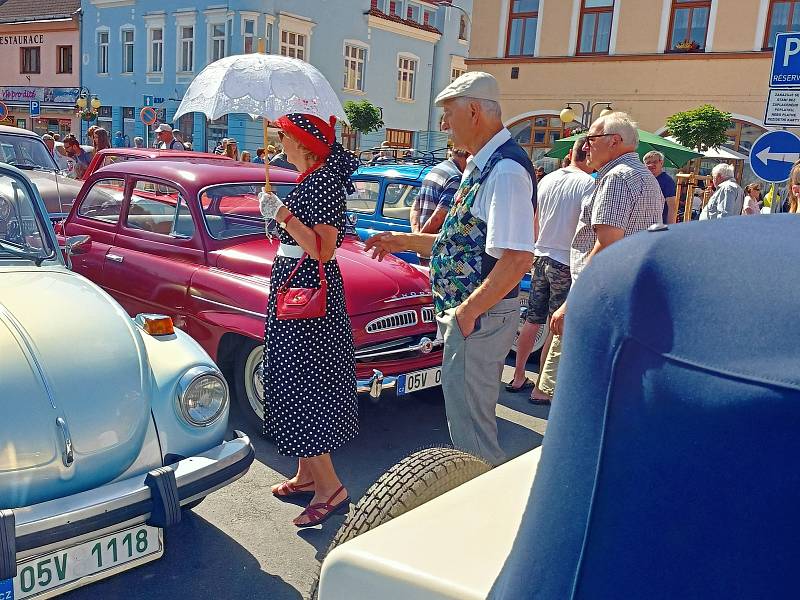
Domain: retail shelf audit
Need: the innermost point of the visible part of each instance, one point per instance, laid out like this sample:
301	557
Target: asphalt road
240	542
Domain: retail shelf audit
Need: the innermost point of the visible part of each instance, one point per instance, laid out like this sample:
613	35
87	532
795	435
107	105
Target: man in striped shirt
627	200
436	194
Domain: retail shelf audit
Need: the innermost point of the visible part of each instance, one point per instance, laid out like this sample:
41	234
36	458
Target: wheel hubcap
253	385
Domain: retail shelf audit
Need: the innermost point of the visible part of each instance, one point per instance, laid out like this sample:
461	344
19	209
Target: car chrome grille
428	314
407	318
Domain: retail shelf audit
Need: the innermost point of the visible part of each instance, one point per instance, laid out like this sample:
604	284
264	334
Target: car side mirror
78	244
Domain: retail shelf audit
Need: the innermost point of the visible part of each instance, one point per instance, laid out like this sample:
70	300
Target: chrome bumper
375	385
154	498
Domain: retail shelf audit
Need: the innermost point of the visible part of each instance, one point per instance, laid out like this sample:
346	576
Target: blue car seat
668	469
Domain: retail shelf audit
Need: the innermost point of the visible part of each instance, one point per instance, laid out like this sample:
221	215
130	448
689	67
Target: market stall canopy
675	155
718	153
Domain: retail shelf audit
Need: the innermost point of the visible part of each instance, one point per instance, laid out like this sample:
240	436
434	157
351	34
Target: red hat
310	131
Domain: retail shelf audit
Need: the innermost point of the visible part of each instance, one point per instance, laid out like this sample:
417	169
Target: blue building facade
398	54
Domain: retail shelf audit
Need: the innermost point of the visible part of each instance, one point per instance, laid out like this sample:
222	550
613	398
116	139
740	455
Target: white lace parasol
261	85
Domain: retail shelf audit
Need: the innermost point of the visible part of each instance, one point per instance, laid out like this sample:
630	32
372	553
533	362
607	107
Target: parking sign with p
786	61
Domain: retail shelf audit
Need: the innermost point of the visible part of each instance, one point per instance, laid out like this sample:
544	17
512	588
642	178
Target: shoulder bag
303	303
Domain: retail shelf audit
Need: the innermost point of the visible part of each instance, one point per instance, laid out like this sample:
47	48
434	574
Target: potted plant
687	46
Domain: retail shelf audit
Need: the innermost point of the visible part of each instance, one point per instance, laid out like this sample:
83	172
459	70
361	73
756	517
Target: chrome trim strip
409	297
228	306
424	342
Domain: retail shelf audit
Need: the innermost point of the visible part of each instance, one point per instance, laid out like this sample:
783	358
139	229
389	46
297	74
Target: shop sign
22	40
24	94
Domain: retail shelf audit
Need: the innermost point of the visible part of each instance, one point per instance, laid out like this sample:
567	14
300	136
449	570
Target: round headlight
202	396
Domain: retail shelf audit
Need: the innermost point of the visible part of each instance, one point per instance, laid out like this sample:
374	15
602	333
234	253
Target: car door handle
115	257
68	455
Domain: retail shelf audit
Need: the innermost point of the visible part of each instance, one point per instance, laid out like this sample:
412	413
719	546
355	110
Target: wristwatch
283	224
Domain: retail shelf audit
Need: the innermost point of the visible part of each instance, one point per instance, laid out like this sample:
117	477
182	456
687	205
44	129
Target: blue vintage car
382	201
110	425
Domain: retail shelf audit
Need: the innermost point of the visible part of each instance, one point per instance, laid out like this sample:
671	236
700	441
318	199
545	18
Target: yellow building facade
649	58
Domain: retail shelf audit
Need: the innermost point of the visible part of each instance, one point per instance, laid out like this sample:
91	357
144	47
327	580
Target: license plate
101	557
418	380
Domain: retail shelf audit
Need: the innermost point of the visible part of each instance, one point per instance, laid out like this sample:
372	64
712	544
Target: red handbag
303	303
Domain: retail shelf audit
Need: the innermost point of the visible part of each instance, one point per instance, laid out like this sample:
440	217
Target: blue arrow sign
786	61
35	108
148	101
773	154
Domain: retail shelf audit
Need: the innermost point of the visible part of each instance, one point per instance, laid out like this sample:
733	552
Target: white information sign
783	108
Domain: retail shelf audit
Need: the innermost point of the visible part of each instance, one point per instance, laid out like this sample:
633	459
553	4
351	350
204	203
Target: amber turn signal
155	324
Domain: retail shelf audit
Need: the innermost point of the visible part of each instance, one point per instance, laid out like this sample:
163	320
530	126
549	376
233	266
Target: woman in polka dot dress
309	376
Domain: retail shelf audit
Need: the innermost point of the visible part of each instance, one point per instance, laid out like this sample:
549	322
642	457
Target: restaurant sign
46	95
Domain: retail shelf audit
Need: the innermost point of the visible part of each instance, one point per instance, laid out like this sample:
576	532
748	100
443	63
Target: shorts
550	283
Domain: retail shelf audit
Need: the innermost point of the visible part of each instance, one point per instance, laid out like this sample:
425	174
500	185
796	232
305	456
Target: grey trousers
471	371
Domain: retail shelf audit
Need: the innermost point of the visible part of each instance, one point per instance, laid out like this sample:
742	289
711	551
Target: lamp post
85	100
587	111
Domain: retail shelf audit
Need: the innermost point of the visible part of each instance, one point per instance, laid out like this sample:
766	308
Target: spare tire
418	478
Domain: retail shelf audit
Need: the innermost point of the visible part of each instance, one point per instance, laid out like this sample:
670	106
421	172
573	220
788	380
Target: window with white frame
249	35
102	51
428	18
412	13
456	72
127	50
218	37
268	36
406	77
156	50
293	44
355	58
187	49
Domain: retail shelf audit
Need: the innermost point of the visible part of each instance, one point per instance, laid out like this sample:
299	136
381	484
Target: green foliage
701	128
363	116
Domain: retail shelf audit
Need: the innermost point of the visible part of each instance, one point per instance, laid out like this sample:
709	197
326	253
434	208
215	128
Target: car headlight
202	396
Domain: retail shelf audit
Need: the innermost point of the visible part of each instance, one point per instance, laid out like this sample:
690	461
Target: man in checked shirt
627	200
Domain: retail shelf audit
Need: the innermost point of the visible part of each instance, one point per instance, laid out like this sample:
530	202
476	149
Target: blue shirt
437	189
668	189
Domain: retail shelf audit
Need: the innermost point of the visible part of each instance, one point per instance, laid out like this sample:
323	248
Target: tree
702	128
363	116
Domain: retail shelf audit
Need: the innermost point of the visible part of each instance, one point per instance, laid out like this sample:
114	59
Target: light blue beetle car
108	426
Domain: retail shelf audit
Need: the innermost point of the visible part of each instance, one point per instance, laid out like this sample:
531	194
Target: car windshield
365	197
22	229
25	152
232	210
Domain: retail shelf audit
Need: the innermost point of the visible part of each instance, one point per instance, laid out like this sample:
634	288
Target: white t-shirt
560	195
504	200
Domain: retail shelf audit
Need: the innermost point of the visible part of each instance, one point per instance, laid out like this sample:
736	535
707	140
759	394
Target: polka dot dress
310	378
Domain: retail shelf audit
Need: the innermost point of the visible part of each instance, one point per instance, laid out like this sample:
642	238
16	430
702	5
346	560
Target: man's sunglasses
589	138
281	135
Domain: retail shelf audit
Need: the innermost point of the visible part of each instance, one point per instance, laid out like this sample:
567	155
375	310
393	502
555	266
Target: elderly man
627	199
166	140
478	258
654	161
728	197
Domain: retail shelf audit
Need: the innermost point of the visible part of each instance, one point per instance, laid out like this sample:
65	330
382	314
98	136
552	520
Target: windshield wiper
32	167
17	250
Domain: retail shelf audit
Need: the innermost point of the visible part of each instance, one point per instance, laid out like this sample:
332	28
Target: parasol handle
267	187
262	48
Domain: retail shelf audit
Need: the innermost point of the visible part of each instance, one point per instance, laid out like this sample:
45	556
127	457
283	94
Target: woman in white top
751	200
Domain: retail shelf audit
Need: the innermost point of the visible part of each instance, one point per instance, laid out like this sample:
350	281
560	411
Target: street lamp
85	102
568	115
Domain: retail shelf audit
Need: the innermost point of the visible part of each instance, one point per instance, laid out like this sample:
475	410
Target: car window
398	199
232	210
159	208
365	198
21	232
25	151
104	200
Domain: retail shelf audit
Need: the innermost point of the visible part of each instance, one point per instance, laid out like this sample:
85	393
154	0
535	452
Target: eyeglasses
280	135
589	138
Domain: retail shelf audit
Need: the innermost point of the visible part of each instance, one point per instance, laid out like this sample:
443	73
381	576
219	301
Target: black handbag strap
285	285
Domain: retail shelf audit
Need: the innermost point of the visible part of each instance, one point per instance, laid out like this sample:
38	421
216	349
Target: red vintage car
186	239
112	155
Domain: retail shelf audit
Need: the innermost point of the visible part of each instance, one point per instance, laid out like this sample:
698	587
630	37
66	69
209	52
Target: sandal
540	401
291	490
525	384
317	517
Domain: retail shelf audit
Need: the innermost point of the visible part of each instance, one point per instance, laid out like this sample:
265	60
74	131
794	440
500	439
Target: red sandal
292	490
317	517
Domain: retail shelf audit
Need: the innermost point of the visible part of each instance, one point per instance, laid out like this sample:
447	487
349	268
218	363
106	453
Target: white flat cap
473	84
163	127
